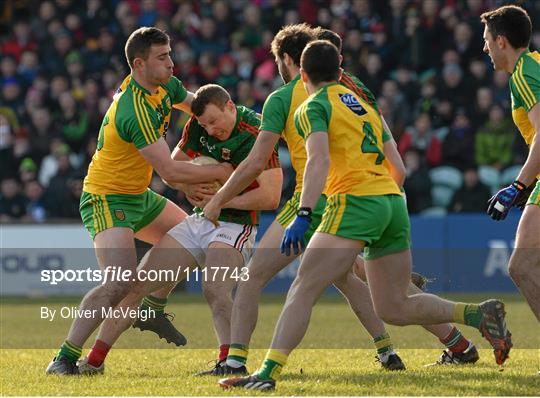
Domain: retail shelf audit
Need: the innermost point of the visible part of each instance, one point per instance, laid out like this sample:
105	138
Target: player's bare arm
531	168
157	154
316	170
397	168
185	106
196	191
265	197
244	174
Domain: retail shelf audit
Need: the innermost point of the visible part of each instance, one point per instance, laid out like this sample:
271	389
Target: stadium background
448	111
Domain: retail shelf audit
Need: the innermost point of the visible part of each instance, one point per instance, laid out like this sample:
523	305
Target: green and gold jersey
197	142
278	116
355	136
136	118
525	91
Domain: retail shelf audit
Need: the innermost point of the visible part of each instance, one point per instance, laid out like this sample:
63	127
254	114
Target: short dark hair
209	94
292	39
139	42
512	22
316	70
331	36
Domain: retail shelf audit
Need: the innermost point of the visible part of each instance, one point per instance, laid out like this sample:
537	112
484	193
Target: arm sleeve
176	90
140	127
189	143
274	115
310	117
528	84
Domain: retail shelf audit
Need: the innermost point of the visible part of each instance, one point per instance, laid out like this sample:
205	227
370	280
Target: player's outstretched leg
217	289
458	350
161	324
396	307
314	276
105	296
168	254
266	262
357	294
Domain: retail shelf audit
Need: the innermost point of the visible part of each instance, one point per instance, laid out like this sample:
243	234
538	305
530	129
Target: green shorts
100	212
288	213
534	198
381	221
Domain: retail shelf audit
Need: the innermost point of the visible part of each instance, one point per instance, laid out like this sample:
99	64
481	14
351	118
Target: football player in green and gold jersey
225	132
116	203
507	35
364	209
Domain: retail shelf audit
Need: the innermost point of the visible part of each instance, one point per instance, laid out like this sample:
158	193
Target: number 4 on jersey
369	143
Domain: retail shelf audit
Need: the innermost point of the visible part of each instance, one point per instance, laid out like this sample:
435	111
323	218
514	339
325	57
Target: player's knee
217	297
114	291
390	314
517	268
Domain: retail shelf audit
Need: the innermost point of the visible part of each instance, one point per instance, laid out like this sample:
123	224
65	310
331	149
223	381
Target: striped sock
69	351
384	346
455	341
155	303
272	365
468	314
238	354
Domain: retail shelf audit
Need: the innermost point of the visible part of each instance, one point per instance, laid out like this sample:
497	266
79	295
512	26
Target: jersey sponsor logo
120	215
204	143
226	153
352	103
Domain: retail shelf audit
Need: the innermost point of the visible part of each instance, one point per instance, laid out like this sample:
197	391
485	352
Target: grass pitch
335	358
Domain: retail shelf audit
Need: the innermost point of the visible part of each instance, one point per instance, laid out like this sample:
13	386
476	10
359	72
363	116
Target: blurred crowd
61	61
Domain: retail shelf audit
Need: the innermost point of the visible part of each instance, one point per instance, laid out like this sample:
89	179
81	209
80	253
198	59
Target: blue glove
294	235
501	203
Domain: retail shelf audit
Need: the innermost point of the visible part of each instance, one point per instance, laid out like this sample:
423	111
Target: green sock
69	351
154	303
272	365
383	344
238	354
468	314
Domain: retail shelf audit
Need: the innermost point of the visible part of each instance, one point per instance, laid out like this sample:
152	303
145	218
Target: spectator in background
472	197
482	107
495	140
27	170
427	101
74	121
458	145
42	130
477	76
452	87
59	199
417	184
422	138
35	210
12	203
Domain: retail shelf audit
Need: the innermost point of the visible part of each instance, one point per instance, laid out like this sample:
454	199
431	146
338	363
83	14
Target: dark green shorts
381	221
288	213
100	212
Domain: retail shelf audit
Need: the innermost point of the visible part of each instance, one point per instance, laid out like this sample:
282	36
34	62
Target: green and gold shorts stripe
380	221
103	211
288	213
534	198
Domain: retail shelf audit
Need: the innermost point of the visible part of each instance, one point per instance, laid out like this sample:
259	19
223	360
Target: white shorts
196	233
